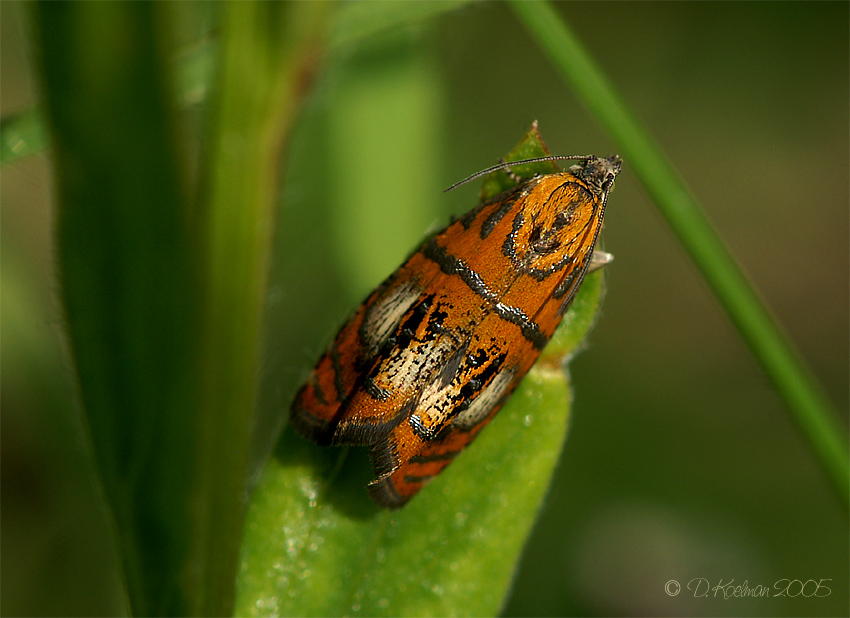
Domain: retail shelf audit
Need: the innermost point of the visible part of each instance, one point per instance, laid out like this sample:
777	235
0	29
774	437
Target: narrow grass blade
809	407
126	276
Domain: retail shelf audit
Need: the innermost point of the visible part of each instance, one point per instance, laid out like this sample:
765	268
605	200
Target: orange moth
431	355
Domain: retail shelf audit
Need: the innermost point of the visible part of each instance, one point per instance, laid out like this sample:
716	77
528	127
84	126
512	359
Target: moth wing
416	355
395	489
499	350
449	413
319	404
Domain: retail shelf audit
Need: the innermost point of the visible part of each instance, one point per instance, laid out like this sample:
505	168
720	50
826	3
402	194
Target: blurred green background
682	462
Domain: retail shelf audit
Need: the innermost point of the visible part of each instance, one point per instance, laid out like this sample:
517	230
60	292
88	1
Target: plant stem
805	400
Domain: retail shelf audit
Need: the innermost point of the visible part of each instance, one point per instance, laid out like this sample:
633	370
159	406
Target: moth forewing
426	362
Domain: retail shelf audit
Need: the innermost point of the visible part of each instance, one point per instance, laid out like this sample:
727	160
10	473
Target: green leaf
530	146
127	281
163	286
315	544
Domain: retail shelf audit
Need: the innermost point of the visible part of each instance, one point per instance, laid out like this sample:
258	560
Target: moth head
599	174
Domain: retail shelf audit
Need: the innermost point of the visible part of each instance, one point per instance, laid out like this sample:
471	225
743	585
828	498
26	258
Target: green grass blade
163	298
780	361
267	50
126	276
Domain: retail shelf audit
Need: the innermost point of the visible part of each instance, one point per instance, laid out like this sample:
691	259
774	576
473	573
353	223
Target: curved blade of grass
809	407
315	544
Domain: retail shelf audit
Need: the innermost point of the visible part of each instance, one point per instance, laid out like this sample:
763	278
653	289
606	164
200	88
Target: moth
428	359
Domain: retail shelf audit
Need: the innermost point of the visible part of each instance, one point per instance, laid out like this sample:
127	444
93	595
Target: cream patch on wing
483	404
404	369
383	316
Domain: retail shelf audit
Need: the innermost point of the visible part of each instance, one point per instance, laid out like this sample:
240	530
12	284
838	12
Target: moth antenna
511	173
509	164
